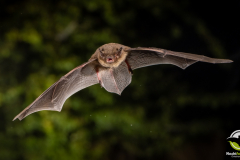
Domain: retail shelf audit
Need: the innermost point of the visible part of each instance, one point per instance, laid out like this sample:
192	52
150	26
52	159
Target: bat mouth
110	60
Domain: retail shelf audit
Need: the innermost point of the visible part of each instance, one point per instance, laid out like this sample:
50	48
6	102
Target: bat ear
119	51
101	52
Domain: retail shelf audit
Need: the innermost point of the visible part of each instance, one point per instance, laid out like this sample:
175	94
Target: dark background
165	113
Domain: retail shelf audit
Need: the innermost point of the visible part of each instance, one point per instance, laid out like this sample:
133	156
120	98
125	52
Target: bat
112	67
234	139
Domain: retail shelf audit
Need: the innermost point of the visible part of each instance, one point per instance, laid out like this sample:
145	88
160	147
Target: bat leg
129	68
99	78
100	82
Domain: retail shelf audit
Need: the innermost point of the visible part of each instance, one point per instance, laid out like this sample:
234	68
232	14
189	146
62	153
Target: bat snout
110	60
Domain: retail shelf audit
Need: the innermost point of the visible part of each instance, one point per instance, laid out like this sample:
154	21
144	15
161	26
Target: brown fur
109	50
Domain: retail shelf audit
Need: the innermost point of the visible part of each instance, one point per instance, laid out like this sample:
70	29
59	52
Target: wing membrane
115	80
55	96
142	57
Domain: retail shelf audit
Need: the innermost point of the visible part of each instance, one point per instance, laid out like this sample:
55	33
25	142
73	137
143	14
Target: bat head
111	54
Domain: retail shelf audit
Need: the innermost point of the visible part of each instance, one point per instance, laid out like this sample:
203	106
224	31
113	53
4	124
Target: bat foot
131	71
100	82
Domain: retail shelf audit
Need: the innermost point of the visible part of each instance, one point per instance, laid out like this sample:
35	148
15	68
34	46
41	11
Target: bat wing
115	80
54	97
142	57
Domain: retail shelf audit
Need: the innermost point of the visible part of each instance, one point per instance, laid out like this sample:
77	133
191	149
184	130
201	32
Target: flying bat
234	139
112	67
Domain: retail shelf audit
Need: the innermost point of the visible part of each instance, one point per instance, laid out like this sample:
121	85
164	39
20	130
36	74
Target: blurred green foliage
165	113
